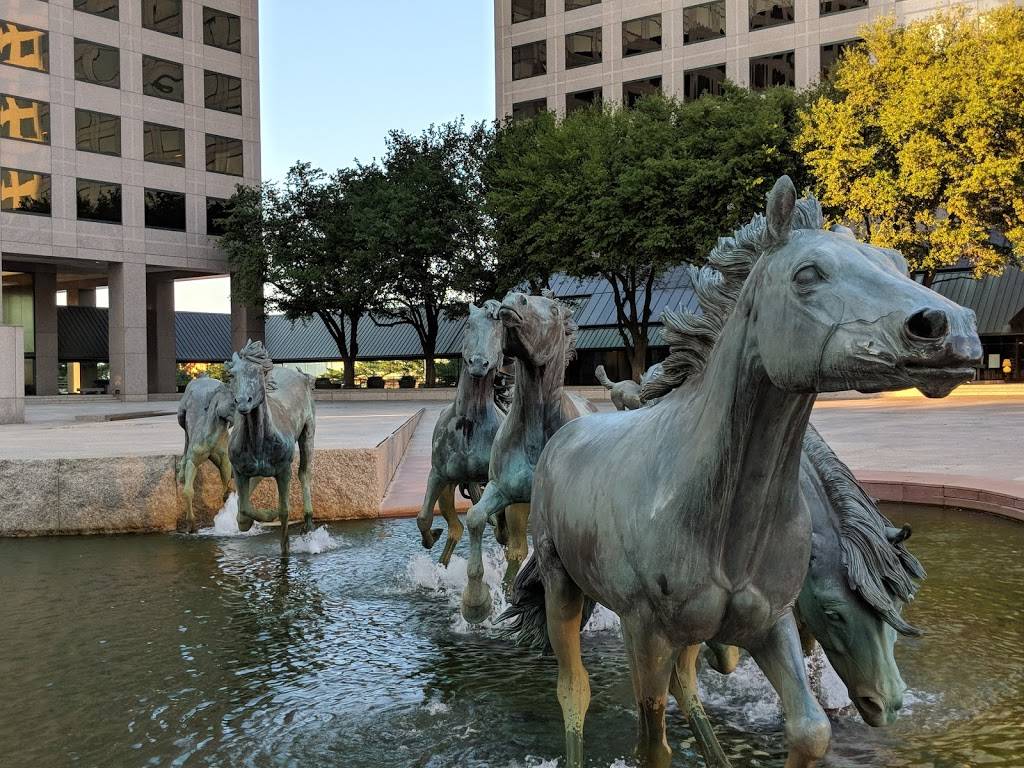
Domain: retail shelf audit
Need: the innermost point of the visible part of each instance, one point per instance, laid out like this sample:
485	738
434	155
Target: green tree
919	142
421	217
300	240
625	194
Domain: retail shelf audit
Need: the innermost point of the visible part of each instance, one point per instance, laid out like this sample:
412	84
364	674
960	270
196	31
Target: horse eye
835	616
808	276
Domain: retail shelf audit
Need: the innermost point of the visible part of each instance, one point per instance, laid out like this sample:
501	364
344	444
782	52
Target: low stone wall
981	494
140	494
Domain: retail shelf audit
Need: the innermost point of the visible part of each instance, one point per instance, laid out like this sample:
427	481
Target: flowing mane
254	352
571	329
691	336
881	572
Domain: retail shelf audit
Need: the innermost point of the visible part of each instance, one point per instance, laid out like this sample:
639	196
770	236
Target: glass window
97	132
97	63
24	191
162	16
99	201
832	52
635	90
641	35
106	8
524	10
572	5
24	119
837	6
582	100
704	22
706	80
216	212
770	13
25	47
163	79
524	110
223	155
222	30
223	92
163	144
583	48
772	70
530	60
165	210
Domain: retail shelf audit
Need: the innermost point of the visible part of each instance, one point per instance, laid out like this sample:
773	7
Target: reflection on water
170	650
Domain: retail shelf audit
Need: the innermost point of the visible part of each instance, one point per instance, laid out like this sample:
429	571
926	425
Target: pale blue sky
337	75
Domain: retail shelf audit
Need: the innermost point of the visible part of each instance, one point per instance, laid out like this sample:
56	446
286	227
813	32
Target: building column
127	319
246	322
44	300
82	375
163	356
12	371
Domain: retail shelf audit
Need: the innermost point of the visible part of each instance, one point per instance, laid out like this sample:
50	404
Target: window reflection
641	35
97	132
704	22
163	79
530	60
770	13
24	119
222	30
524	110
97	63
223	92
838	6
704	81
106	8
635	90
162	16
216	212
24	191
582	100
524	10
165	210
99	201
583	48
773	70
572	5
223	155
832	52
163	144
25	47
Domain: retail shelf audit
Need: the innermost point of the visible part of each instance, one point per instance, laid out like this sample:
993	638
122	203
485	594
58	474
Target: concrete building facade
561	54
124	126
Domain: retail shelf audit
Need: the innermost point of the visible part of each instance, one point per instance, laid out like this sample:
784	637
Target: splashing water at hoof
225	523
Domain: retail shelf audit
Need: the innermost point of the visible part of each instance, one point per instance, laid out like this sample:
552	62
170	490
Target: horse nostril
871	705
930	324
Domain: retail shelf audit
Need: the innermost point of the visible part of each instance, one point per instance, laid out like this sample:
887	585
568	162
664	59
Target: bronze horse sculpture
625	395
540	334
275	413
461	443
686	519
205	412
860	576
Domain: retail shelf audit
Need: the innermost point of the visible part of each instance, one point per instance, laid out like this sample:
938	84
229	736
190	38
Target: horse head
249	368
830	313
481	343
538	329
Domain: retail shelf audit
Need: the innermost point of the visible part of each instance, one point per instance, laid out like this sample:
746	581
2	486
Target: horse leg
223	464
474	491
563	607
476	597
518	518
244	516
435	484
284	482
807	728
683	686
651	661
306	478
188	479
447	500
722	658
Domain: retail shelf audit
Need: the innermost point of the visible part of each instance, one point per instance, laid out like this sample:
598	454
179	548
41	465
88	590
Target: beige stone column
12	371
163	362
128	366
44	290
246	322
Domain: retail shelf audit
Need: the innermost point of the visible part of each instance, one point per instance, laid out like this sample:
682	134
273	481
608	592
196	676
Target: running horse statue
686	519
205	412
860	576
540	334
461	444
275	413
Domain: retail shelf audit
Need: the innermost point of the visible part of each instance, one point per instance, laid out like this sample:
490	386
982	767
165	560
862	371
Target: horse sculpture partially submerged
205	412
541	335
860	576
686	519
461	444
275	413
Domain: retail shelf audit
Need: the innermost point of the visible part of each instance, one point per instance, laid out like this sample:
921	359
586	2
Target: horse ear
839	229
547	293
781	203
473	308
492	307
897	535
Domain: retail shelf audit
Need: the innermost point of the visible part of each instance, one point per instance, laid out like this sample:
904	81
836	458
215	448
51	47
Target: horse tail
603	377
527	614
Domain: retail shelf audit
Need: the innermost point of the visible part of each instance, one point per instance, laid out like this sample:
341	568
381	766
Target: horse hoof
430	537
476	603
244	522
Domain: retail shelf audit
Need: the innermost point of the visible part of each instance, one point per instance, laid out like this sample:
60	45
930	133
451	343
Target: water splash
315	542
225	523
602	620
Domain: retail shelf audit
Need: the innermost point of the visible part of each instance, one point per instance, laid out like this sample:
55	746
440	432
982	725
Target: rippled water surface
169	650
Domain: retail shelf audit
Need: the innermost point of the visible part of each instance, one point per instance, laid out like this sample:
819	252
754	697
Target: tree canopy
919	141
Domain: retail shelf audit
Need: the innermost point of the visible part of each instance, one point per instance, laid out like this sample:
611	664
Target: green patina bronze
274	414
686	519
205	412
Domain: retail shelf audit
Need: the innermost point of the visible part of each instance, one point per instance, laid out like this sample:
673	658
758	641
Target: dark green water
175	651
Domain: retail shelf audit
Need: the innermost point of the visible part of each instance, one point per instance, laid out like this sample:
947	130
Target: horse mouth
509	317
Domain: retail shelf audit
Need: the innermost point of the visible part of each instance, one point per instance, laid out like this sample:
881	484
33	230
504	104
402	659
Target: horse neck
474	397
537	399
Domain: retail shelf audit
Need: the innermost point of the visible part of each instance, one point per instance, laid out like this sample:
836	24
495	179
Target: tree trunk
429	371
350	371
638	358
928	278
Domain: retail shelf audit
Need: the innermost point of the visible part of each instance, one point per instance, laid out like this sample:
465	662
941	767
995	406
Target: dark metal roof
202	337
997	300
82	334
